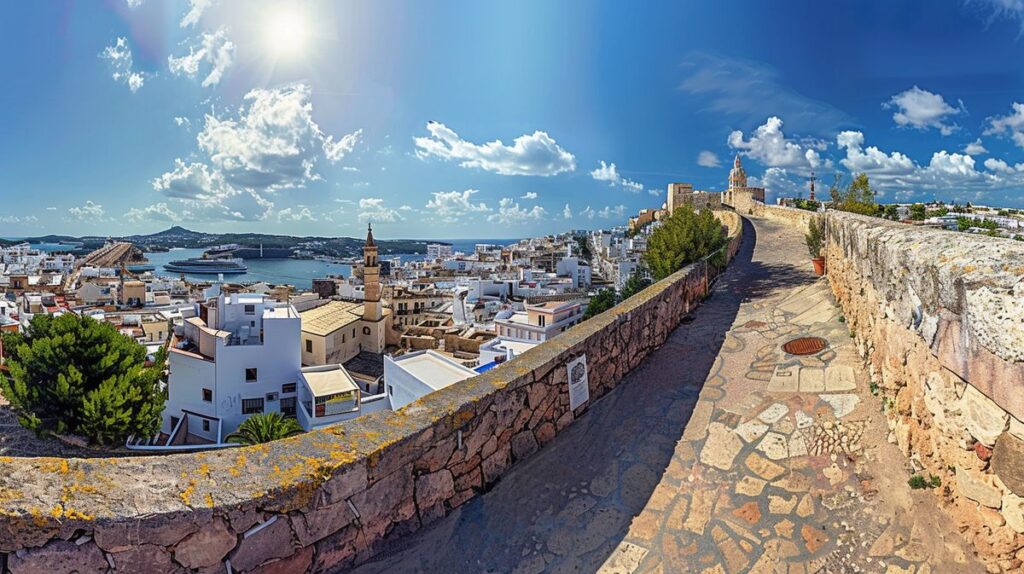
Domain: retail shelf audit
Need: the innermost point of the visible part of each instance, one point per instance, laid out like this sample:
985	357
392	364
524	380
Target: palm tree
264	427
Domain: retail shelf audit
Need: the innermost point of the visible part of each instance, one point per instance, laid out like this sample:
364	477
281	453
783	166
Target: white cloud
405	208
1012	124
452	205
15	220
975	148
89	212
195	12
119	57
606	172
336	150
183	122
273	144
998	165
372	209
871	160
214	51
536	154
297	213
529	195
922	109
708	159
588	213
51	208
632	186
156	212
609	212
769	145
509	212
566	212
133	3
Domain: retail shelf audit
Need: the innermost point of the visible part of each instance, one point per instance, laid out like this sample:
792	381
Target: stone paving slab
711	459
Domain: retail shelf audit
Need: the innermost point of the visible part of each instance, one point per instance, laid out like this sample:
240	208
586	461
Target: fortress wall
329	499
939	316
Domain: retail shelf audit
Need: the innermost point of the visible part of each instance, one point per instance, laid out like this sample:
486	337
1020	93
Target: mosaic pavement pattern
720	454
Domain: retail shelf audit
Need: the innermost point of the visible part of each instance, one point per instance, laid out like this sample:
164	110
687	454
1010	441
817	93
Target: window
541	319
391	390
353	332
366	330
288	406
250	309
250	375
309	346
252	406
343	338
288	388
208	395
206	425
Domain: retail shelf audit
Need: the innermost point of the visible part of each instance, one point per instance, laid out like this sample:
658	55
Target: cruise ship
207	266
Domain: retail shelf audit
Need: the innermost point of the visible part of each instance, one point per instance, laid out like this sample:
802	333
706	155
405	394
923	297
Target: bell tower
371	279
737	176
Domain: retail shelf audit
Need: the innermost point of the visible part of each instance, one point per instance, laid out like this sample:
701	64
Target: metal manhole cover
805	346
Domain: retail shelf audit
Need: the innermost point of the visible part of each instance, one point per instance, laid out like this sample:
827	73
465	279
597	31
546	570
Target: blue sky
496	119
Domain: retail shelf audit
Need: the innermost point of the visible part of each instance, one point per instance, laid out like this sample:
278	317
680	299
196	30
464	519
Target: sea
297	272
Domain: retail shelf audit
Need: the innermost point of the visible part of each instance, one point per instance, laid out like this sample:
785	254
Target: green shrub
686	236
264	427
815	237
72	374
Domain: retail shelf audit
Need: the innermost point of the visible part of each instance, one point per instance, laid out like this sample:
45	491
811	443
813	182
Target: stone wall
329	499
939	316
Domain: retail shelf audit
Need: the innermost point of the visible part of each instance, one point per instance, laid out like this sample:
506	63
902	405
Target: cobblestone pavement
720	454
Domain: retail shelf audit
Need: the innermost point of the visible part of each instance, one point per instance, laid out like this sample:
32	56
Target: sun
286	31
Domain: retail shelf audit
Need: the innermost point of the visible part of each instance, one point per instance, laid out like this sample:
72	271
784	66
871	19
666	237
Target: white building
539	322
500	349
439	251
409	377
576	270
240	356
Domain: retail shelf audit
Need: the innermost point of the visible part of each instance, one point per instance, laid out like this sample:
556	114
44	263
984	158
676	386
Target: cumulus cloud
922	109
769	145
1011	124
588	213
214	52
297	213
337	150
606	172
975	148
998	165
566	212
609	212
272	144
453	205
89	212
156	212
195	12
372	209
871	160
535	154
529	195
509	212
708	159
17	220
119	57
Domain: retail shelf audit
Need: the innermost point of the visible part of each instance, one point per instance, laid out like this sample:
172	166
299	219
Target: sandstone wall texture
325	500
939	316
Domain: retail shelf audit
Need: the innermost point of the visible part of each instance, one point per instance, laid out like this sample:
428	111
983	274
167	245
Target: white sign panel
579	389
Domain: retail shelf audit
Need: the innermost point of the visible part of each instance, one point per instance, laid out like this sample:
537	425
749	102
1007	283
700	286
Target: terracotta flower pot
819	265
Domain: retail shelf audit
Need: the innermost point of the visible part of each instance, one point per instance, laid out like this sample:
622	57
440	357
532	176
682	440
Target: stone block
161	530
207	546
273	542
524	444
978	487
58	556
315	524
1008	462
721	447
345	483
298	562
812	379
143	559
984	419
434	488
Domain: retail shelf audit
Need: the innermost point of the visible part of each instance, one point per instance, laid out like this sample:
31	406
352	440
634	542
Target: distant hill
178	236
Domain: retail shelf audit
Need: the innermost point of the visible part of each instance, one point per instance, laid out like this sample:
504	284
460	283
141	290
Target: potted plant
815	239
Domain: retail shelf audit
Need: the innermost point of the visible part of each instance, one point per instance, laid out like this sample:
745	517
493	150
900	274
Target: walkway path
720	454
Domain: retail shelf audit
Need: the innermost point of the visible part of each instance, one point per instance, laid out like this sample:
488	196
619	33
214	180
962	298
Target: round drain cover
805	346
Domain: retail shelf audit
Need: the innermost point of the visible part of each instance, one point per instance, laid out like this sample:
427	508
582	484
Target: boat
207	266
141	268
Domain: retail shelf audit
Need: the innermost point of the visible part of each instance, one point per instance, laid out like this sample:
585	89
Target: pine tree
72	374
685	237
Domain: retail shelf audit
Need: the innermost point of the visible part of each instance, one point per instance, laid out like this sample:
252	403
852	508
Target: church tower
737	176
371	279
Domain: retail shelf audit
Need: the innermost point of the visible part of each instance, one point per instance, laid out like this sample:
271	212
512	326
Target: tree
72	374
815	236
858	197
264	427
636	283
918	211
891	211
685	237
604	300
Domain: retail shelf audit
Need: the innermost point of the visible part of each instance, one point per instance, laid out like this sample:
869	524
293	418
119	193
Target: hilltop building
680	194
739	194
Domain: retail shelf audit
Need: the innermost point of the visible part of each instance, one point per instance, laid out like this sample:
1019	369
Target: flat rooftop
328	380
434	370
